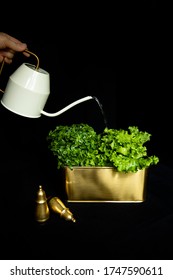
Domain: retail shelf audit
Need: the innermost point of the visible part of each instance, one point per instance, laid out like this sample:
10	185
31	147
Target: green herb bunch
80	145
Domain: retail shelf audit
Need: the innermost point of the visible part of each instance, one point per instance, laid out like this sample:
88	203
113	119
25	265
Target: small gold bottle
58	206
42	212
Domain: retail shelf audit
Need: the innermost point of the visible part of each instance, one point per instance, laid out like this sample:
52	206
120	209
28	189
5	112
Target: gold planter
104	184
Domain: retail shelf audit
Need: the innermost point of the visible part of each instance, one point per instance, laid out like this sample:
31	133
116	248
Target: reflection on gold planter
104	184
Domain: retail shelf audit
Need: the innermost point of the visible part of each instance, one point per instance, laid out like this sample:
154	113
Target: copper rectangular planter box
104	184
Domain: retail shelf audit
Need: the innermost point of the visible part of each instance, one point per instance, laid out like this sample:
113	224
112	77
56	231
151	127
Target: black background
115	54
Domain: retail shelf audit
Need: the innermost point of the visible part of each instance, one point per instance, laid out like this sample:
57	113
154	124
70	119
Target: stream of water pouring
102	111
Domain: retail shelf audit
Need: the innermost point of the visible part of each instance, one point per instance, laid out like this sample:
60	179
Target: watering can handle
37	65
2	65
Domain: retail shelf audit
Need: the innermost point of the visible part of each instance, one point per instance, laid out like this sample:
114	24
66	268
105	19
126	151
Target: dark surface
117	59
102	230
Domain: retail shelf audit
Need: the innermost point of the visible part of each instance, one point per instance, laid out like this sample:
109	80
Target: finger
8	60
8	53
11	38
26	54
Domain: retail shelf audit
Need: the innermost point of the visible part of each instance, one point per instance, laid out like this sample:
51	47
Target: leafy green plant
80	145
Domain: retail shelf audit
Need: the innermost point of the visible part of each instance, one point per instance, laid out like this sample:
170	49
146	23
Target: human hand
9	46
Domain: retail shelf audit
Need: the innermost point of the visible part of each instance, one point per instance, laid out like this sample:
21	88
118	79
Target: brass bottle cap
56	205
41	195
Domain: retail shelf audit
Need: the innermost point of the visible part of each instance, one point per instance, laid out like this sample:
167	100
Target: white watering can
27	91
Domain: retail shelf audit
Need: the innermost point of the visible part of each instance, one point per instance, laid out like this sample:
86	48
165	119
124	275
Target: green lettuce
80	145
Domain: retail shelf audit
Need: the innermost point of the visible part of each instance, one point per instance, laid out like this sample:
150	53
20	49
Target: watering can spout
67	107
